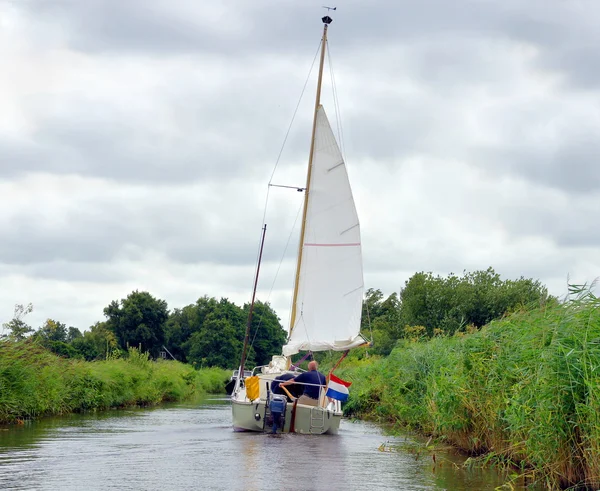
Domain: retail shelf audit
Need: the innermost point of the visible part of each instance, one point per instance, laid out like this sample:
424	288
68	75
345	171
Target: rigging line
287	134
305	327
279	157
278	269
289	321
295	112
336	104
369	320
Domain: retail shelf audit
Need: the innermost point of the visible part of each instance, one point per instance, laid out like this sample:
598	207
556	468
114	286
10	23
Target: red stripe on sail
333	245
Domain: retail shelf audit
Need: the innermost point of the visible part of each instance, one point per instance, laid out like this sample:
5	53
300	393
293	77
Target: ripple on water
192	446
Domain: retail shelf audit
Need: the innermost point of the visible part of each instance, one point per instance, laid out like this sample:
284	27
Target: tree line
210	332
431	305
205	334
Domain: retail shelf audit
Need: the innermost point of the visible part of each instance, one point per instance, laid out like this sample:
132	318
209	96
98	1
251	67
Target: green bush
35	382
525	389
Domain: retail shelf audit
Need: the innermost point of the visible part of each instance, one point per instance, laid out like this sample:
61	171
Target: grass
35	382
522	392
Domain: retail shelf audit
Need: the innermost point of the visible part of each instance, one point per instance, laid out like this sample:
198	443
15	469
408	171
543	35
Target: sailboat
327	299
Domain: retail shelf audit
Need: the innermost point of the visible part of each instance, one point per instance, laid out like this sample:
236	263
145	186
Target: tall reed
525	389
35	382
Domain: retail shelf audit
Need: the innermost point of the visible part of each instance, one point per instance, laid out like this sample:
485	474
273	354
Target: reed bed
34	382
524	392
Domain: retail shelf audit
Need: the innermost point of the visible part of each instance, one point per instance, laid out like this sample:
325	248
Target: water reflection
192	446
291	461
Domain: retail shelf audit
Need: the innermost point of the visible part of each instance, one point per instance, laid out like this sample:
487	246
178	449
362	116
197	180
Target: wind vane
328	20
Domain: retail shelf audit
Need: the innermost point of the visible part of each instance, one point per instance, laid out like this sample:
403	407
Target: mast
326	21
249	323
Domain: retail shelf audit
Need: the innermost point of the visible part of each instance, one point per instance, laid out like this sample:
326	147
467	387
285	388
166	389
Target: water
191	446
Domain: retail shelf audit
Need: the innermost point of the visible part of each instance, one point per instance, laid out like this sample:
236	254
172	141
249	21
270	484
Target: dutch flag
338	388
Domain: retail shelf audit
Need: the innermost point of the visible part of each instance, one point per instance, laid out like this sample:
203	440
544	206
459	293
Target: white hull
313	420
299	418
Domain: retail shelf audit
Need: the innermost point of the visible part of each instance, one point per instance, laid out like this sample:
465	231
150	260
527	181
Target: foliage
383	318
211	333
138	321
524	387
207	333
17	327
73	334
217	344
267	336
453	303
446	305
52	331
96	344
182	323
35	382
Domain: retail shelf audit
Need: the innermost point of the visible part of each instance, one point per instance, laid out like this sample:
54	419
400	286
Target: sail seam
348	229
335	166
353	244
356	289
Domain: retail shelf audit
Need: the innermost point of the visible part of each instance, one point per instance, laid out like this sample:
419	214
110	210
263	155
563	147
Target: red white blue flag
338	388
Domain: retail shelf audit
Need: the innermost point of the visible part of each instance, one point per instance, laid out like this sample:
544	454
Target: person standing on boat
312	382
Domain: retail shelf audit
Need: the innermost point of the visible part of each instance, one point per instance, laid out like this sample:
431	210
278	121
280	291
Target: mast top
328	20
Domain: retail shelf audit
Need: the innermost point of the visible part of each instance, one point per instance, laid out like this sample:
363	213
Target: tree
18	329
53	336
216	333
96	343
382	318
217	344
451	304
267	335
138	321
183	323
179	327
387	326
73	334
52	331
370	308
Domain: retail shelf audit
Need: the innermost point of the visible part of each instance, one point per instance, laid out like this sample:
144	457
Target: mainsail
330	287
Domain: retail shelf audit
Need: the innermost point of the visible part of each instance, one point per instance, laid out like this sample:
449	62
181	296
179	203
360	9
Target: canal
191	446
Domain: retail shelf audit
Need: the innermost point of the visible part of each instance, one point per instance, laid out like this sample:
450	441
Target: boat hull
299	418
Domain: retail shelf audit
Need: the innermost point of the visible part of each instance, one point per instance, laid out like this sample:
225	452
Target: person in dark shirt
311	381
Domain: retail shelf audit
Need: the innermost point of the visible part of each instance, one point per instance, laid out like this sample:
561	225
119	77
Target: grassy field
524	391
35	382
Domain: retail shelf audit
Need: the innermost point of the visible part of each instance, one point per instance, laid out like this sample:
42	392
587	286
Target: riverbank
524	391
35	382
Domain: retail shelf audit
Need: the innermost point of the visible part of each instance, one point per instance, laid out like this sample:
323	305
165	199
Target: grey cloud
28	238
567	223
580	64
100	25
234	135
73	271
568	161
224	92
204	140
159	26
213	227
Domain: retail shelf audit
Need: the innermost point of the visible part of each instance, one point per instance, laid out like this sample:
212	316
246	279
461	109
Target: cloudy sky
137	139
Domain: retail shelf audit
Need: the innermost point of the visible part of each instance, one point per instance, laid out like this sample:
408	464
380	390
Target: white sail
330	289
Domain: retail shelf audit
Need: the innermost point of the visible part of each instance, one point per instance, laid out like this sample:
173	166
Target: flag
338	388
